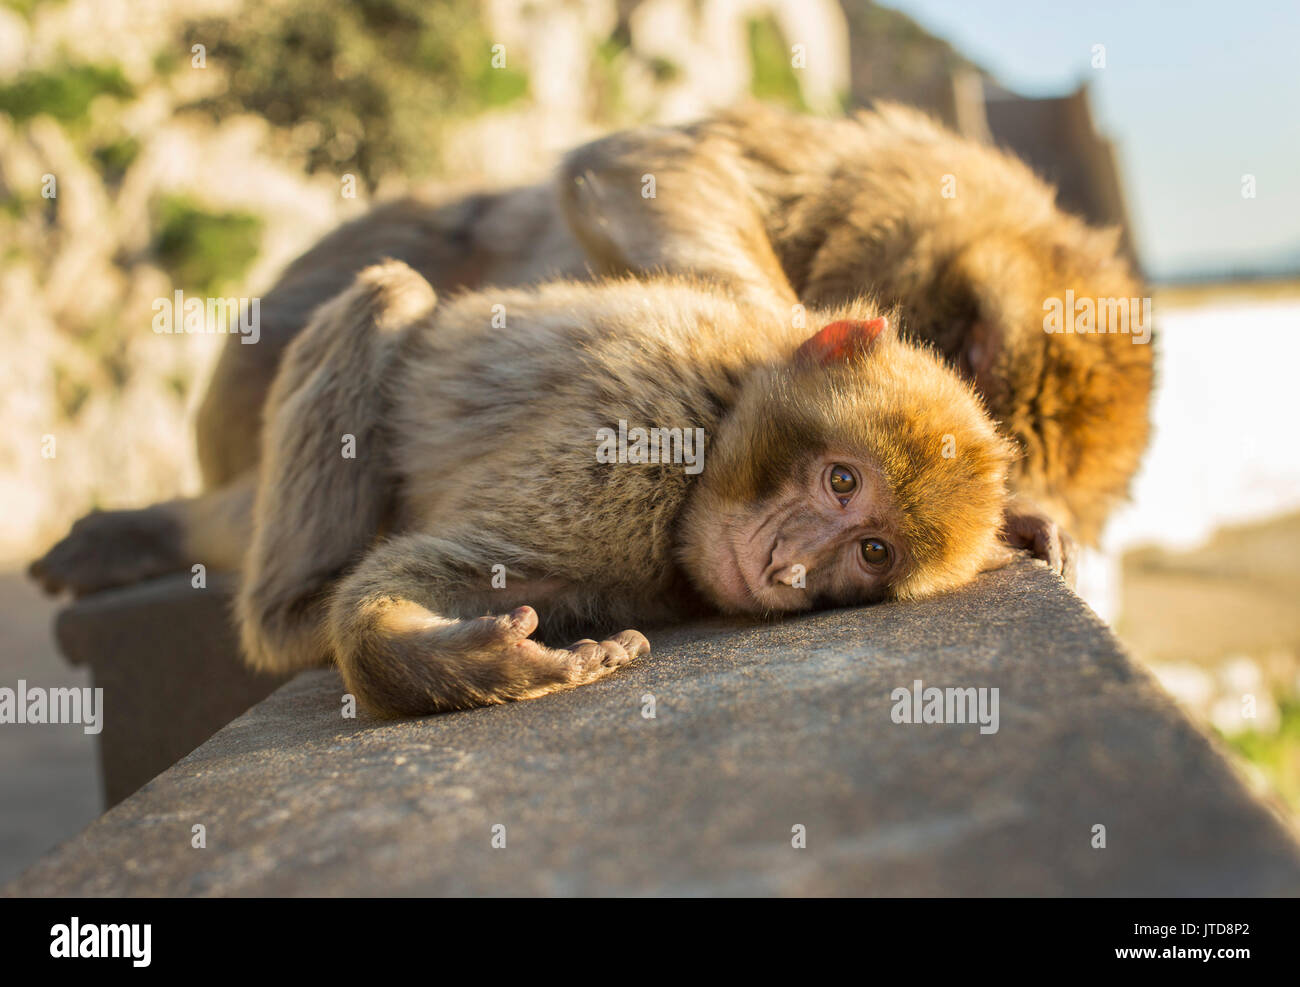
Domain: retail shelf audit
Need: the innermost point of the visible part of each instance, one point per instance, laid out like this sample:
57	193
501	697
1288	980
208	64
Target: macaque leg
696	219
115	548
403	652
325	487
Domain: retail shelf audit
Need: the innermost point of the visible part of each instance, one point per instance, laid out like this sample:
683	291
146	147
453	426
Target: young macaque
840	465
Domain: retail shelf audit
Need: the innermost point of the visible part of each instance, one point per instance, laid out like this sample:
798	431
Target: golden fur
765	212
853	206
476	447
776	205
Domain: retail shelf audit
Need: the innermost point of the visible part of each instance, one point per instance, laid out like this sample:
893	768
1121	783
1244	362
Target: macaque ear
839	341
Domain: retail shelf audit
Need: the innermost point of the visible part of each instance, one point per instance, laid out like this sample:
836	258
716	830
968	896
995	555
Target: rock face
757	731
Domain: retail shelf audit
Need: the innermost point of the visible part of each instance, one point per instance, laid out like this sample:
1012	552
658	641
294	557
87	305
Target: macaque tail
323	489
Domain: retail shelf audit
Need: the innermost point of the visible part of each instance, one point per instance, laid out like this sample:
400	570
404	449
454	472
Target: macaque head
1053	330
1038	309
860	469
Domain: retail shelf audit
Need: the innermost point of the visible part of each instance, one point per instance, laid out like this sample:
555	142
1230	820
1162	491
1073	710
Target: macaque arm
661	200
106	549
325	485
402	653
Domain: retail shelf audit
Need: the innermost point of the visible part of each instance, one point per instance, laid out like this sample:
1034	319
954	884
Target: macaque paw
110	548
1044	539
592	660
538	669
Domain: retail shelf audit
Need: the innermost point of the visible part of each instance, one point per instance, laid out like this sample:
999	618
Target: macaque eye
875	552
842	480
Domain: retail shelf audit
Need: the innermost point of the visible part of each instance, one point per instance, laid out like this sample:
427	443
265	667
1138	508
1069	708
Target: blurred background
203	144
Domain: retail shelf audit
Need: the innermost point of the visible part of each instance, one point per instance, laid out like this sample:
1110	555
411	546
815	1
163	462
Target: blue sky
1195	95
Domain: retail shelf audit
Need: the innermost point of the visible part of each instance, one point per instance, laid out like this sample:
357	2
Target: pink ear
841	340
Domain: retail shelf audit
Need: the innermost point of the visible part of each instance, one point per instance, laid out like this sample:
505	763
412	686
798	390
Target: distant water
1226	442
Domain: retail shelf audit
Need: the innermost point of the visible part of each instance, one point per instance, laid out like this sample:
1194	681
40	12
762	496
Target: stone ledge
167	657
758	729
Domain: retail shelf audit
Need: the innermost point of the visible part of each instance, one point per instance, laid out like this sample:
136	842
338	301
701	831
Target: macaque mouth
754	585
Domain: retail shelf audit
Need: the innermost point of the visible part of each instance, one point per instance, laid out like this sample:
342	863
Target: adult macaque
842	465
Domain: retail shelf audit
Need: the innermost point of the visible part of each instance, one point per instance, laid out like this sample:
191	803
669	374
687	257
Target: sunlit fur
488	439
856	205
769	202
475	448
943	459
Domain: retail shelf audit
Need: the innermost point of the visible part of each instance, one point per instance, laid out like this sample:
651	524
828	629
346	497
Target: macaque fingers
593	660
106	549
1044	540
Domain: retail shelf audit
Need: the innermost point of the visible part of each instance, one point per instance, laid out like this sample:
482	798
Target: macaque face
827	537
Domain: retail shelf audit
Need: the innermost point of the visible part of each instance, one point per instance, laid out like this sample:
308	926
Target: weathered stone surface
167	658
757	729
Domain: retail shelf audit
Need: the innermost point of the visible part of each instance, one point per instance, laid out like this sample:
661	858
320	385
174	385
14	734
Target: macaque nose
790	575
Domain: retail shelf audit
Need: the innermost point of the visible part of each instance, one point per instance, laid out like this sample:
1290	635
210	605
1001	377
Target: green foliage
606	77
13	205
114	157
665	69
205	251
361	85
64	93
498	87
1276	753
167	62
770	61
70	393
612	48
25	8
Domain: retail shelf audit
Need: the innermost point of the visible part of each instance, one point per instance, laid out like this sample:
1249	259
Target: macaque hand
410	670
1026	527
110	548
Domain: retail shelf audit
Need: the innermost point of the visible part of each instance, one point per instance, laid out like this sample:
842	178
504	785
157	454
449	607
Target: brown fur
873	402
854	205
486	440
773	207
772	204
515	236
